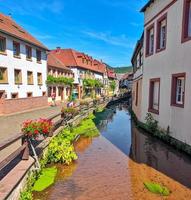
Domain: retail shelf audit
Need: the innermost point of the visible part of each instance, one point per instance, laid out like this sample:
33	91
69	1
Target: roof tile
10	27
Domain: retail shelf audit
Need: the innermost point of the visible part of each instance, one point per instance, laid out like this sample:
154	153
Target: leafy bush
112	85
33	128
61	149
157	188
59	80
70	111
151	123
84	103
26	195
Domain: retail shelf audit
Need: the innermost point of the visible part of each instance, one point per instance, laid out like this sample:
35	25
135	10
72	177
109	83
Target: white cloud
34	8
107	37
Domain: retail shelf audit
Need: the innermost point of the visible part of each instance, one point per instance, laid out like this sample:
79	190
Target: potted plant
35	129
69	112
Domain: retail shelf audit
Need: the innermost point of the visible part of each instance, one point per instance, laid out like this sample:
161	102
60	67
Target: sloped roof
10	27
73	58
143	9
55	62
138	46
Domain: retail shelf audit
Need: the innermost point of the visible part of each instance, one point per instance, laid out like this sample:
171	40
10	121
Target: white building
167	66
137	63
23	68
83	67
56	70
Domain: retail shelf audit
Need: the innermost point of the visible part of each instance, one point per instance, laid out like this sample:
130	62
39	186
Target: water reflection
142	147
154	153
116	127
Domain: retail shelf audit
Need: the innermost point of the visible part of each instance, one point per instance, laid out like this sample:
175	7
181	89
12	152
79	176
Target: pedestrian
53	96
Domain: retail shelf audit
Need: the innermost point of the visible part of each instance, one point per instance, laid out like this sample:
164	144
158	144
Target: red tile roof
55	62
111	73
73	58
10	27
127	76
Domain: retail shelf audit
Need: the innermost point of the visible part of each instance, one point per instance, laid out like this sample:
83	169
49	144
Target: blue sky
104	29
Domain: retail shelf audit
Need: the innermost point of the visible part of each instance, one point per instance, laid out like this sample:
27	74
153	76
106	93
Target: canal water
117	163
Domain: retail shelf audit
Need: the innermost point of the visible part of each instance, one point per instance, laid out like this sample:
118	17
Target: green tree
113	85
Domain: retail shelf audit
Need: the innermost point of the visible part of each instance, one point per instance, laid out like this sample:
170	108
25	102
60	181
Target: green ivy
59	80
92	83
112	85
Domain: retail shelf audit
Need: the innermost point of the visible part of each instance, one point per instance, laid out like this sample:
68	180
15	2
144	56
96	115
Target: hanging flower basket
37	129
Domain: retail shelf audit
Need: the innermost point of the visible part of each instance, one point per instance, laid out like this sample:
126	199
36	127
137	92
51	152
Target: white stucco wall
12	63
175	59
78	71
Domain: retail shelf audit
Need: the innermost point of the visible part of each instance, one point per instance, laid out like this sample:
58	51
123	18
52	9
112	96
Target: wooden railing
23	149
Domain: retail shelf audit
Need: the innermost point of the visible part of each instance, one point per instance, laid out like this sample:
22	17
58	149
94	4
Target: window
186	23
38	56
28	53
161	32
16	49
18	76
150	40
29	94
137	93
3	75
178	89
2	44
14	95
30	78
154	95
39	77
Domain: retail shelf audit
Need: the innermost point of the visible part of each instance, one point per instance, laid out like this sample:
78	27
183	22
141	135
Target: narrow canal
115	165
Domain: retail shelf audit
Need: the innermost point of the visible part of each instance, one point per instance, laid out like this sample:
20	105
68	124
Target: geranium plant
34	128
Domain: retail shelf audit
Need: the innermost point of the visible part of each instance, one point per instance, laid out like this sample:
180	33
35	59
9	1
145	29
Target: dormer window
38	56
161	33
150	40
186	32
28	52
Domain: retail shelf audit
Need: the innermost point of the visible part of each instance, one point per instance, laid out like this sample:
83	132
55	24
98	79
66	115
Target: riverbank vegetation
60	150
151	127
157	189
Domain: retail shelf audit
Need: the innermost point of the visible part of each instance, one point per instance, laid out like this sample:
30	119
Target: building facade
83	67
57	69
166	79
137	63
23	69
